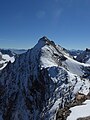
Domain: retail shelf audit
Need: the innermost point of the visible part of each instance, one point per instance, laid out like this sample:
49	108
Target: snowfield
80	111
74	66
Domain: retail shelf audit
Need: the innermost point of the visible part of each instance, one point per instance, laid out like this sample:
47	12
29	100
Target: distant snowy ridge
18	51
7	55
84	57
74	52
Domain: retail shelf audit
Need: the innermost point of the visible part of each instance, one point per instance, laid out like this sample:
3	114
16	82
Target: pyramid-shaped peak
42	42
45	40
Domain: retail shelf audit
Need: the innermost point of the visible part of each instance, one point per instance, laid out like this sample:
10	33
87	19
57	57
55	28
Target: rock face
86	118
39	82
80	97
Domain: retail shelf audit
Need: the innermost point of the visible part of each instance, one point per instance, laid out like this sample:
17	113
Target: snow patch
80	111
8	58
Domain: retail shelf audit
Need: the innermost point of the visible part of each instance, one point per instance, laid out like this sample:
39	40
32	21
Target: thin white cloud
56	15
59	9
40	14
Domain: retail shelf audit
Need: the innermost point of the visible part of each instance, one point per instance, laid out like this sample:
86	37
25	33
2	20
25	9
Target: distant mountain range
42	83
84	57
75	53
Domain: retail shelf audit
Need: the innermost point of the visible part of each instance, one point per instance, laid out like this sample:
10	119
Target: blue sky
23	22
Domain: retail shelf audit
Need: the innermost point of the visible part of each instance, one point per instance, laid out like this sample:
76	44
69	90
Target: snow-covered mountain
84	56
40	81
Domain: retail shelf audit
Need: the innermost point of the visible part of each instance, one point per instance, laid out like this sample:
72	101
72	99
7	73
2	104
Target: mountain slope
40	82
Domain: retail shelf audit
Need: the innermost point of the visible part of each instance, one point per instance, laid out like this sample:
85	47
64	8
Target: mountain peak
47	41
44	38
42	42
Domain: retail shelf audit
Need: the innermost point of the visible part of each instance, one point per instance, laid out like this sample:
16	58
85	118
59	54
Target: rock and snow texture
80	111
74	66
84	57
39	82
4	59
68	85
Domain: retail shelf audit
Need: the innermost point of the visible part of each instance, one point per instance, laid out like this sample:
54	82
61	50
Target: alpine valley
44	83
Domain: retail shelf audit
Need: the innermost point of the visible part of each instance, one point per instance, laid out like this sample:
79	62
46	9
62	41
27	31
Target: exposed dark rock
85	118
